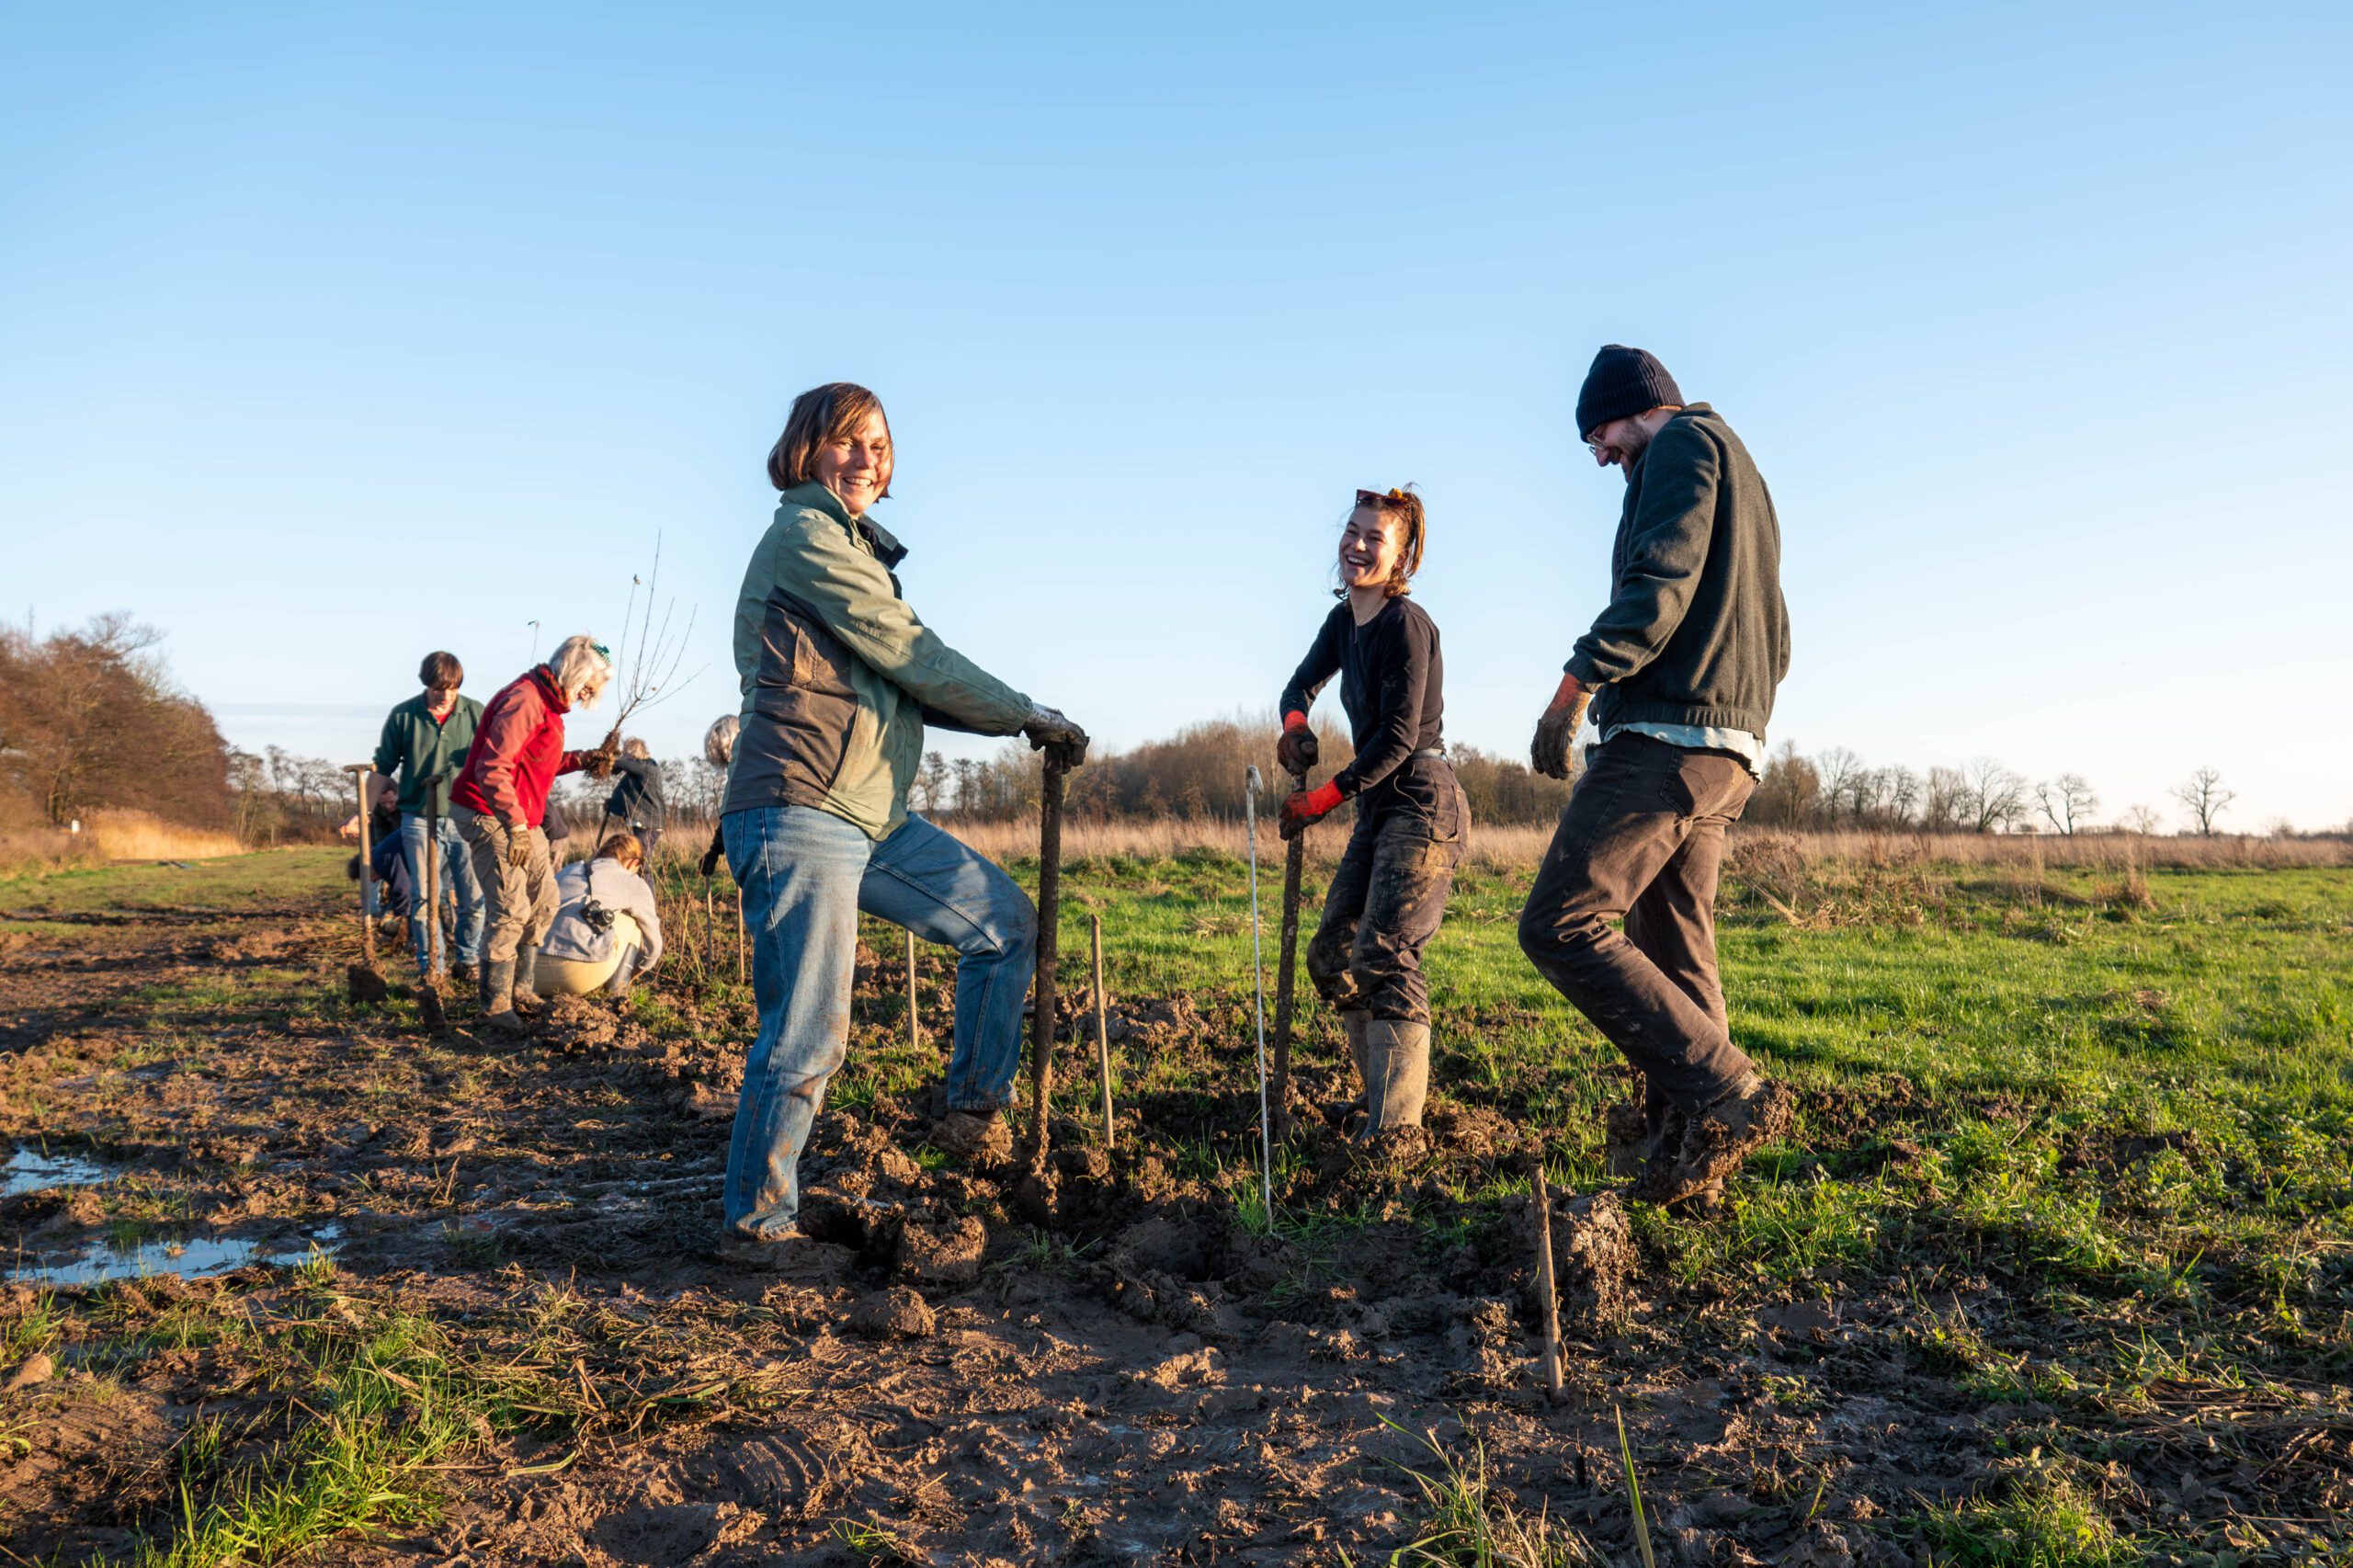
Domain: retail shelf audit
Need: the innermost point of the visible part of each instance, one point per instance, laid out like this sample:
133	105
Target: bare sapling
915	1023
1102	1034
650	654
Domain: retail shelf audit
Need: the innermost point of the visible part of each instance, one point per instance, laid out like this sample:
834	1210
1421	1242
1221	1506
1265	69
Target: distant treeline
90	720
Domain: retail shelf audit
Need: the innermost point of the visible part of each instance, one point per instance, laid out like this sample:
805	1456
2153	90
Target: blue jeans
456	868
806	874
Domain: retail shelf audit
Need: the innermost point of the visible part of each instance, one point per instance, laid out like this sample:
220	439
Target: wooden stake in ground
359	772
739	936
429	994
1286	964
1049	910
1540	1193
1102	1034
914	1024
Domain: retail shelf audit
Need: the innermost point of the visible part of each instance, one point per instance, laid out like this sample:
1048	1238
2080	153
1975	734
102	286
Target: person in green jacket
839	676
424	742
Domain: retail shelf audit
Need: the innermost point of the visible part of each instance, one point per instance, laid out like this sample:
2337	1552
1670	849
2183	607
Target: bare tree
2206	798
1943	803
1903	794
1837	770
2067	801
2142	820
1991	796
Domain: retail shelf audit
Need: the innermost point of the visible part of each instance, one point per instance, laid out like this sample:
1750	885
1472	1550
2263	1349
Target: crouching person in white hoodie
607	930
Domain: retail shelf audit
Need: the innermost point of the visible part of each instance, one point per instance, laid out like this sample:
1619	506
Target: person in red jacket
500	802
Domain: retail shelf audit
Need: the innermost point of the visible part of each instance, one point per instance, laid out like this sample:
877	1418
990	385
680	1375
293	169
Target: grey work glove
1554	751
1061	741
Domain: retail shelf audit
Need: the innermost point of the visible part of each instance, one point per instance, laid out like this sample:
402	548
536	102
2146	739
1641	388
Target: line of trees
1836	789
90	720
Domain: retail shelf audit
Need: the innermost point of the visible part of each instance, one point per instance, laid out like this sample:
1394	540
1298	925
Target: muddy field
422	1299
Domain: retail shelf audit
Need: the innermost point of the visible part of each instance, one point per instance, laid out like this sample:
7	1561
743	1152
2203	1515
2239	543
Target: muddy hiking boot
1631	1140
497	999
525	992
1715	1142
974	1138
1396	1075
464	974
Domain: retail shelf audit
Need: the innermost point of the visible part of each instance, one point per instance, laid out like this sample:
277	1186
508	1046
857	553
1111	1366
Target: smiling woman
839	676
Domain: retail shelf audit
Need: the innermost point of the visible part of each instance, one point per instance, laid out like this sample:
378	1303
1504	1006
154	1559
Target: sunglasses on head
1375	498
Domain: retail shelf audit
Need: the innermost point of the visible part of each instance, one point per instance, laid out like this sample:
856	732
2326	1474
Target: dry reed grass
111	835
1520	845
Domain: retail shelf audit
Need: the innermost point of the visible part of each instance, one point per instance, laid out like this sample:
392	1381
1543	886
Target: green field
2076	1146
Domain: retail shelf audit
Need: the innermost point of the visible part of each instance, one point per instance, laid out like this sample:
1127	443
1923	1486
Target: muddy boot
463	973
618	986
1718	1137
764	1254
1633	1136
974	1138
497	1004
1397	1074
526	992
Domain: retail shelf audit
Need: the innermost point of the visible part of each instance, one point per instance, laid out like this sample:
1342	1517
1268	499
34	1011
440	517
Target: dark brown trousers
1643	838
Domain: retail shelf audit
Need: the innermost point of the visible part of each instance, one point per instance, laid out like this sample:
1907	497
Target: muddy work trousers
1643	838
520	901
1389	894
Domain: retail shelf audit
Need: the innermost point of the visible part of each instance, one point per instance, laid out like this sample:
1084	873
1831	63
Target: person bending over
501	803
606	929
1389	894
1680	670
839	676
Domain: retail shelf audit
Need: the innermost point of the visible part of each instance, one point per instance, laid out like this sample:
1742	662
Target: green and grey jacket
1696	631
415	748
839	674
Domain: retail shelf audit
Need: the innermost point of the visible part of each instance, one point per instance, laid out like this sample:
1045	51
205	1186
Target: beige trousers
520	901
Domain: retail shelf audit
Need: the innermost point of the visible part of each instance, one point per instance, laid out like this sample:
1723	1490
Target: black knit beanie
1622	383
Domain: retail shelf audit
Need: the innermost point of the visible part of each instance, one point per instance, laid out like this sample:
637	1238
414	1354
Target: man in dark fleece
1680	672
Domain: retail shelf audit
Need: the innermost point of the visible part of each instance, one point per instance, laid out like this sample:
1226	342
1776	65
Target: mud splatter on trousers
1389	894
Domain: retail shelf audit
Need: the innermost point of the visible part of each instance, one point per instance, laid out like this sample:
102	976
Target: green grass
271	876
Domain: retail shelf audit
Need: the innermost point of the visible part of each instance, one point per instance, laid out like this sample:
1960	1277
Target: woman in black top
1389	894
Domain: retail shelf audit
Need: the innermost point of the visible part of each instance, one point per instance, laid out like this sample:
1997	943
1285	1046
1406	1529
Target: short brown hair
1406	505
441	672
624	849
821	415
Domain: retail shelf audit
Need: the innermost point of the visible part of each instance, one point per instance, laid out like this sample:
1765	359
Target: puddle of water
29	1170
101	1261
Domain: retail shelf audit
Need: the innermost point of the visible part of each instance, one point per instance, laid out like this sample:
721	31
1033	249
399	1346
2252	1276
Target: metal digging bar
1251	785
1286	969
1050	909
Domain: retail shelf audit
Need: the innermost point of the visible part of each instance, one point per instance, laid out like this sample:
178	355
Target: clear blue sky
332	334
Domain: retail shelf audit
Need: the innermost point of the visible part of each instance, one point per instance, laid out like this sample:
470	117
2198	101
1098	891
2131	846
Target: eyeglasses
1376	498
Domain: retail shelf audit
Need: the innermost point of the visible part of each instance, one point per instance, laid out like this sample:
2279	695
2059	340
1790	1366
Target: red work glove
1296	751
1305	806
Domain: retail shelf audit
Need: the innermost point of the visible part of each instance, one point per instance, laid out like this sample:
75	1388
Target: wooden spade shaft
1286	967
359	772
1050	909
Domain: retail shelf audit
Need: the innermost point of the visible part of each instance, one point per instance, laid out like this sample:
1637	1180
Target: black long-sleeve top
1392	683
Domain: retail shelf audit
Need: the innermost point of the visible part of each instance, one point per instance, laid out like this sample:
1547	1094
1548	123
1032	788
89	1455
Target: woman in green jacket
839	676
